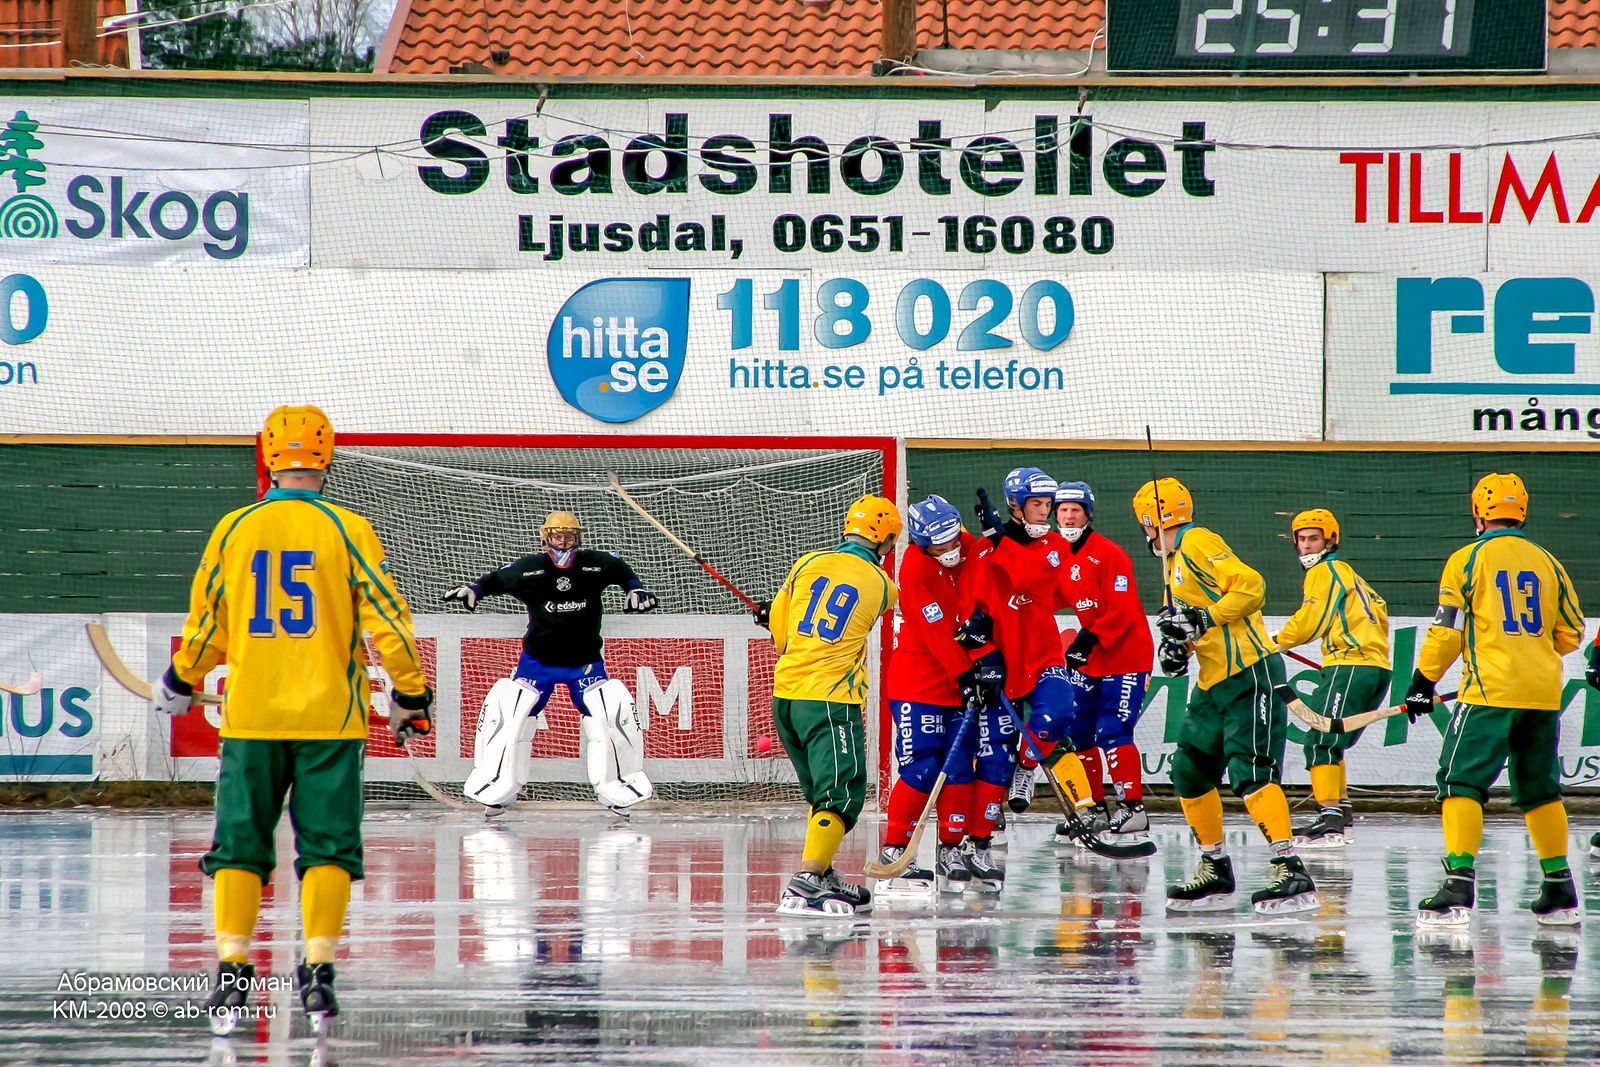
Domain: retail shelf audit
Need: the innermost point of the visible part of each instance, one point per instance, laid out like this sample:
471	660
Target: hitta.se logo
617	346
125	211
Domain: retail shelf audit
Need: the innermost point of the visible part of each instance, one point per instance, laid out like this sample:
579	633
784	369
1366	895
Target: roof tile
30	34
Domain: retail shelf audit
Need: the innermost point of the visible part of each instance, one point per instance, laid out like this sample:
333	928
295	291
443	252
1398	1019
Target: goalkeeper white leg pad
499	757
614	746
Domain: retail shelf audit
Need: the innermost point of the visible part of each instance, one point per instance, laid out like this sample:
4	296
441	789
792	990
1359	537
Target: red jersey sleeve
1119	621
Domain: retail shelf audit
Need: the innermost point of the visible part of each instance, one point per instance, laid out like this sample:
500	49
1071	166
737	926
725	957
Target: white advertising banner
172	181
936	354
1472	357
625	185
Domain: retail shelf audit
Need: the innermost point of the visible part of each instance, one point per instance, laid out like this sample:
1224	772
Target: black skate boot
1347	812
1452	904
315	982
1327	830
815	895
1594	847
913	880
986	876
1557	902
1130	823
1211	888
1021	795
1291	889
998	836
951	868
229	993
1093	820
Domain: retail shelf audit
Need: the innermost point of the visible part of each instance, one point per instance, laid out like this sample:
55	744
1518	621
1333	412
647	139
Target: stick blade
1101	847
1302	711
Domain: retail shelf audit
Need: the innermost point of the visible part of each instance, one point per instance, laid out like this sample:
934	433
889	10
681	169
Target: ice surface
562	935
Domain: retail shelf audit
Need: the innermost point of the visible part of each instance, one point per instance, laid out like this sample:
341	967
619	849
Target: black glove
1419	699
762	613
1078	651
1182	622
976	632
639	600
988	518
975	694
1173	657
989	669
1593	673
408	715
466	595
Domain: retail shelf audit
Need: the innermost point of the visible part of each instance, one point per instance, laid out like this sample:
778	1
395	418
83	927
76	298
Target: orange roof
739	37
30	34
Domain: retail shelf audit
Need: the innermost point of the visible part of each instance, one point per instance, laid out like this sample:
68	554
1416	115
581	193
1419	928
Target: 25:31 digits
923	314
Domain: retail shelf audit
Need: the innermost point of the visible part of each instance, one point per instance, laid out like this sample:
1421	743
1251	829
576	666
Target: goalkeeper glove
408	715
466	595
639	600
1419	699
1078	652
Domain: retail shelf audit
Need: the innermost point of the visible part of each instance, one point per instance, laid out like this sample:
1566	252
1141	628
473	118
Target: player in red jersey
1109	659
932	680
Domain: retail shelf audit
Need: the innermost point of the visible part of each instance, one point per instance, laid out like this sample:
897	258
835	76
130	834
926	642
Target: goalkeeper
561	587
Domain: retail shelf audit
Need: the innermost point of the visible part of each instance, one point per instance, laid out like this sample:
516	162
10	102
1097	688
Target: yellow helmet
1500	496
1320	519
297	439
1177	506
873	518
560	520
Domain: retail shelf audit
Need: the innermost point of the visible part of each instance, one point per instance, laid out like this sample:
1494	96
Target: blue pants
923	733
1050	705
1105	710
543	679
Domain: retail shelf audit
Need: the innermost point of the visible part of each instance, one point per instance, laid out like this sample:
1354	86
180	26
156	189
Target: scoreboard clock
1325	36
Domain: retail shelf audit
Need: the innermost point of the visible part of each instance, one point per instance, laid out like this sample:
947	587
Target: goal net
450	510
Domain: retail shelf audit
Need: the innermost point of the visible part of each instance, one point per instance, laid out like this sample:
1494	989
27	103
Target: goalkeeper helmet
297	439
561	534
873	519
1500	496
1176	506
1025	482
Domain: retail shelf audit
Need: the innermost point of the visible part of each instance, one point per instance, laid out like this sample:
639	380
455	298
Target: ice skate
1327	830
494	811
1211	888
1452	904
951	868
1130	823
1594	847
1557	902
315	982
1091	820
1021	796
1290	891
1097	818
817	895
998	836
229	994
914	881
986	876
1347	812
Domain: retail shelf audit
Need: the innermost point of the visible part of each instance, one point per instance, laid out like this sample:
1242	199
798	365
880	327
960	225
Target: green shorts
1481	739
1343	689
325	804
827	745
1235	729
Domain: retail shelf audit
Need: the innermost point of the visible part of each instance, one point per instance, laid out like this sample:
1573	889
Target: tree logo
24	215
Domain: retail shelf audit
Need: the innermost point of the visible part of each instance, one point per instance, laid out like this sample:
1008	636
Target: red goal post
450	507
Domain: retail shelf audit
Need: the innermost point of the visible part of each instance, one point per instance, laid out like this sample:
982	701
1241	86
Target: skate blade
494	811
1326	841
1288	905
903	889
1215	902
1454	918
987	885
1560	917
824	909
1018	807
954	886
1133	837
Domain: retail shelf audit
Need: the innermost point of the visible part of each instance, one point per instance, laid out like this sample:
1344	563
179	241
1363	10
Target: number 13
1528	620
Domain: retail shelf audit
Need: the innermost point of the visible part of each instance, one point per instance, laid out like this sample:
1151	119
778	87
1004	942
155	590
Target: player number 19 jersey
820	622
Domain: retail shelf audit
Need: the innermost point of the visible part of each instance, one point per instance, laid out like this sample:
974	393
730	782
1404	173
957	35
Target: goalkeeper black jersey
563	602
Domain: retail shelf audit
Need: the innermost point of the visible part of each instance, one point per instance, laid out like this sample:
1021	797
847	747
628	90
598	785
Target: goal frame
888	447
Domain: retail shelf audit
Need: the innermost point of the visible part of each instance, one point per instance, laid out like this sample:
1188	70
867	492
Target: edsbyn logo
617	346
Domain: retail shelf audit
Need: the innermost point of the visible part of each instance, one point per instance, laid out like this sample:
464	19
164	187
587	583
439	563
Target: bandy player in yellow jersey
1508	610
284	589
1235	726
820	621
1352	622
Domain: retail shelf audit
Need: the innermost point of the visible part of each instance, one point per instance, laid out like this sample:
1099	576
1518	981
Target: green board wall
1402	513
114	527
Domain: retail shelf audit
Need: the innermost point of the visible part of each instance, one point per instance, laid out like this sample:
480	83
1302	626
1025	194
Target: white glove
466	594
172	695
639	600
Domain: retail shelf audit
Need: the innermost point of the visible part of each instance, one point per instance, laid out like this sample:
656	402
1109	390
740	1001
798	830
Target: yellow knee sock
324	895
1325	783
1070	773
237	903
1547	825
1463	830
824	834
1270	809
1205	818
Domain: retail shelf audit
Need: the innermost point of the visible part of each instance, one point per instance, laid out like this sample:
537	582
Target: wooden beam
898	40
78	26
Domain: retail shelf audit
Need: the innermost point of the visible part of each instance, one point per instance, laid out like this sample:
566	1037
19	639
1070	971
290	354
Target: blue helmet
932	521
1028	481
1076	493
